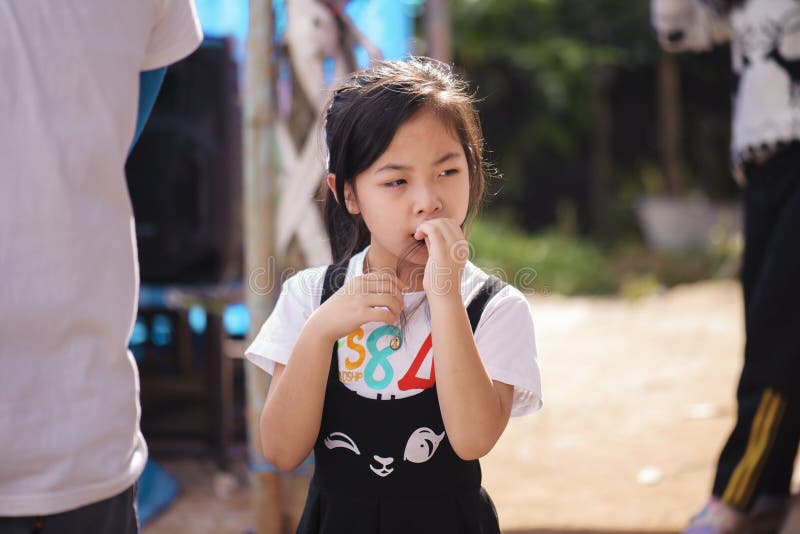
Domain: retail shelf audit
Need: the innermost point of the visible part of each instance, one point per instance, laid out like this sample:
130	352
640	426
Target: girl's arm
292	412
293	409
475	409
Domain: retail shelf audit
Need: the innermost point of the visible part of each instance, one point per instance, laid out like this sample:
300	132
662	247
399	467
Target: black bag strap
490	288
334	279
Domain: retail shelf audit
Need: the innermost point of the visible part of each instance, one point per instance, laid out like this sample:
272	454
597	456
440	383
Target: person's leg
759	455
19	525
116	515
716	517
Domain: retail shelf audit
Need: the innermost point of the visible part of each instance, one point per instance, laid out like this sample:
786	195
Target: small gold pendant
395	343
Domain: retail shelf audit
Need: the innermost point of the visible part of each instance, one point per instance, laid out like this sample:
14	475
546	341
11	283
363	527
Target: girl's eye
448	172
395	183
340	439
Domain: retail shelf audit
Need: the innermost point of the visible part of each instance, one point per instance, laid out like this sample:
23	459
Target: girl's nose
427	200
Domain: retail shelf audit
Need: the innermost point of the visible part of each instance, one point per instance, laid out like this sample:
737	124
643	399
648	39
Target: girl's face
422	175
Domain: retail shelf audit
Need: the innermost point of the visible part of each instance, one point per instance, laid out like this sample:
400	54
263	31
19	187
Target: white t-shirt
69	410
369	366
765	46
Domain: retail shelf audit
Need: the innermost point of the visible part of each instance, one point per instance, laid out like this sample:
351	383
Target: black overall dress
386	466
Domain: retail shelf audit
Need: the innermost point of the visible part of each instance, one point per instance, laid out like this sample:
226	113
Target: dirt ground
638	399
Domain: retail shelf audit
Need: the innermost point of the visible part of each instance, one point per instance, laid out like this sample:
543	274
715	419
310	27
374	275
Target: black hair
364	114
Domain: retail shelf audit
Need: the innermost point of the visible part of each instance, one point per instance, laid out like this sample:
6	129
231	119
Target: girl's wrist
319	327
445	298
444	283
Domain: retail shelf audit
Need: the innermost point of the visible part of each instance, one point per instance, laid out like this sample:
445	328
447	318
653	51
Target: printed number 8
380	357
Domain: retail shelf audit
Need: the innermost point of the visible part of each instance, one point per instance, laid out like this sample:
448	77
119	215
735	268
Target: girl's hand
447	253
370	297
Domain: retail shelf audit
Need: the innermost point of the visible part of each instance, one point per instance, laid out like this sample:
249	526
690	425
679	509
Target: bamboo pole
258	202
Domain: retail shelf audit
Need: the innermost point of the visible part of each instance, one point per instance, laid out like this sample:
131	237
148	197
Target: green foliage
555	49
542	263
543	71
536	66
553	261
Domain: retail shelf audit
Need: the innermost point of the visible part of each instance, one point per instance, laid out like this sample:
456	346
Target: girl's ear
350	201
331	181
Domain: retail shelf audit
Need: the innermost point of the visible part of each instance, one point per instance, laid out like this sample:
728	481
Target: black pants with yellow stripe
759	456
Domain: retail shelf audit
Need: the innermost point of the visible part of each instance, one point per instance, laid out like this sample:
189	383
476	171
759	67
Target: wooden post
259	198
437	30
602	158
277	221
670	124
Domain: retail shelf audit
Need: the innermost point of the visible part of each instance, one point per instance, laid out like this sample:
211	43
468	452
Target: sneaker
791	524
768	514
717	517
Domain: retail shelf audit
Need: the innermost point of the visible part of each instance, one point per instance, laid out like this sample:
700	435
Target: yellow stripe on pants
772	426
762	434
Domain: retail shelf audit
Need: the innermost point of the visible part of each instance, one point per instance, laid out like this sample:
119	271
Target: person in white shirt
754	471
71	448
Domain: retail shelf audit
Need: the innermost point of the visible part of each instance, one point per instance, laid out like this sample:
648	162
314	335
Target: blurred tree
545	69
568	92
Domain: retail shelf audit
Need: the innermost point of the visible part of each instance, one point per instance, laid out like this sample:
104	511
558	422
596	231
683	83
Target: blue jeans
115	515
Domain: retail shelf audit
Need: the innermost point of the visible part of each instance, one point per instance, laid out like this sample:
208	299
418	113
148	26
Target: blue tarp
387	23
157	489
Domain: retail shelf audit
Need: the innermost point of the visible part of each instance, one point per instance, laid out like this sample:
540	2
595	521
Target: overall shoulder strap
334	279
490	288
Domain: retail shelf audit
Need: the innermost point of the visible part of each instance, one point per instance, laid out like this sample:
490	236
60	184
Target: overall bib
386	466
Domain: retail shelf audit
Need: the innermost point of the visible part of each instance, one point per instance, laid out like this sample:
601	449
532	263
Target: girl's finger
434	237
452	231
380	315
390	286
427	228
379	281
457	245
373	301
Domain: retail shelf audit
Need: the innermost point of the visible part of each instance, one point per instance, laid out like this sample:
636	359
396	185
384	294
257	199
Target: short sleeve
298	299
176	33
507	344
693	25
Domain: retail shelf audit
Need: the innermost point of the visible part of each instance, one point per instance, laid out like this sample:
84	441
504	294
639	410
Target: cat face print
419	448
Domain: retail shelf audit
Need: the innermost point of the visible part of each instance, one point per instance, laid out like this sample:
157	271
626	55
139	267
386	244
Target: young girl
400	364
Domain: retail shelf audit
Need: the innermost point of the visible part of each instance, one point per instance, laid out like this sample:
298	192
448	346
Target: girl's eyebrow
397	167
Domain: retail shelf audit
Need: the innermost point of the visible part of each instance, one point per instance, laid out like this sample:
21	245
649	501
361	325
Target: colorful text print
380	357
374	366
351	344
410	380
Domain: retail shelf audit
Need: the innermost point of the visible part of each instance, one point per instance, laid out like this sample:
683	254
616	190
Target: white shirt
69	410
765	50
504	337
